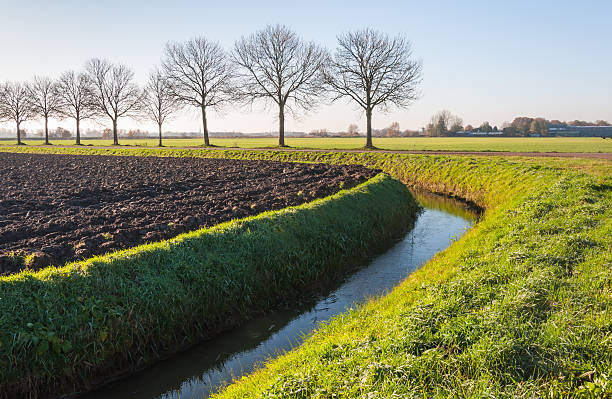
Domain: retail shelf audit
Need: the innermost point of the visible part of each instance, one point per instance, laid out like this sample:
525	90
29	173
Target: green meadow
513	144
520	306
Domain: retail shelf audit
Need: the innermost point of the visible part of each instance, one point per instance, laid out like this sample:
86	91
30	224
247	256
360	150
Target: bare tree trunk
46	130
369	129
206	140
18	135
78	132
115	139
281	125
160	134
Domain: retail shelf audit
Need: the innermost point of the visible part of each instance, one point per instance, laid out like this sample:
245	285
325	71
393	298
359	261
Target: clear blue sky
482	60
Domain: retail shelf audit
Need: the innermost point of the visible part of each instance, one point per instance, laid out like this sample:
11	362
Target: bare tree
278	66
393	130
16	104
444	122
456	124
76	92
3	114
45	100
439	123
199	74
373	70
353	130
159	102
115	93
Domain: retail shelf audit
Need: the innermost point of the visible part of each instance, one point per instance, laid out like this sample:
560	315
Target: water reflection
207	367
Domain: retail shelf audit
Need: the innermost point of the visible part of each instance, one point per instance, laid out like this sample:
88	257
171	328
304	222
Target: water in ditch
207	367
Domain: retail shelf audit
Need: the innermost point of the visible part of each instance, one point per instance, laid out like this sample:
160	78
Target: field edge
67	329
518	307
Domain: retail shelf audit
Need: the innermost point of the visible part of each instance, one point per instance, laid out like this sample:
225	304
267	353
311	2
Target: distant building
580	131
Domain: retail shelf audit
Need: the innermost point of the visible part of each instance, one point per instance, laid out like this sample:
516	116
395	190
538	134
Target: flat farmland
487	144
59	208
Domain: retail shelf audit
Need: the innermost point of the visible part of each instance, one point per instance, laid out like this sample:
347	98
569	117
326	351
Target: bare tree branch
159	101
373	70
198	73
16	104
115	93
278	66
77	95
45	100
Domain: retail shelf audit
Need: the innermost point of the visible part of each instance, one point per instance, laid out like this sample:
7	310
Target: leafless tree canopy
159	102
45	100
16	104
353	129
273	65
76	93
3	116
277	65
199	74
444	117
443	123
374	70
115	93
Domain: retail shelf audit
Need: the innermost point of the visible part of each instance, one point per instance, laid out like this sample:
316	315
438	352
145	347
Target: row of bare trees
103	90
273	65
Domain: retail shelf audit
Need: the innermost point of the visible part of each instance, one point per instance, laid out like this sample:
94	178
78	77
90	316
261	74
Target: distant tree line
393	130
444	123
525	126
273	66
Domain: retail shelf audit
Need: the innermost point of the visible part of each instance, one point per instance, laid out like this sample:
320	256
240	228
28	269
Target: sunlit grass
63	328
518	144
518	307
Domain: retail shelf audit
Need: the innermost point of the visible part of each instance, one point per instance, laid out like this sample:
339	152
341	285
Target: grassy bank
515	144
519	307
61	329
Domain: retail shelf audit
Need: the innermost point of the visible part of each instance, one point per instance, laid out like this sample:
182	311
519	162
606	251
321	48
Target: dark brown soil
59	208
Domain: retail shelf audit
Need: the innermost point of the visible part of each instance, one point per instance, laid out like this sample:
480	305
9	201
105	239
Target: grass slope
64	328
514	144
519	307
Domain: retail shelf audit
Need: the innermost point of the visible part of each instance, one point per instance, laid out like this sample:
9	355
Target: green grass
67	327
527	144
518	307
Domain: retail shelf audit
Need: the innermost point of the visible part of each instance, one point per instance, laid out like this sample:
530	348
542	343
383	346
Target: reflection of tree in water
446	204
217	371
214	364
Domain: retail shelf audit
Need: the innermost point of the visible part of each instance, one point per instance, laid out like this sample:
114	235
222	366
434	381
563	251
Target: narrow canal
207	367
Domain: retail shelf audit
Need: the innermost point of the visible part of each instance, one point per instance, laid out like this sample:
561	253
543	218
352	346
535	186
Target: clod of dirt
7	265
38	260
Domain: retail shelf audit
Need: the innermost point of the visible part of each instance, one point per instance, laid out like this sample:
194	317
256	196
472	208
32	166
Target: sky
482	60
